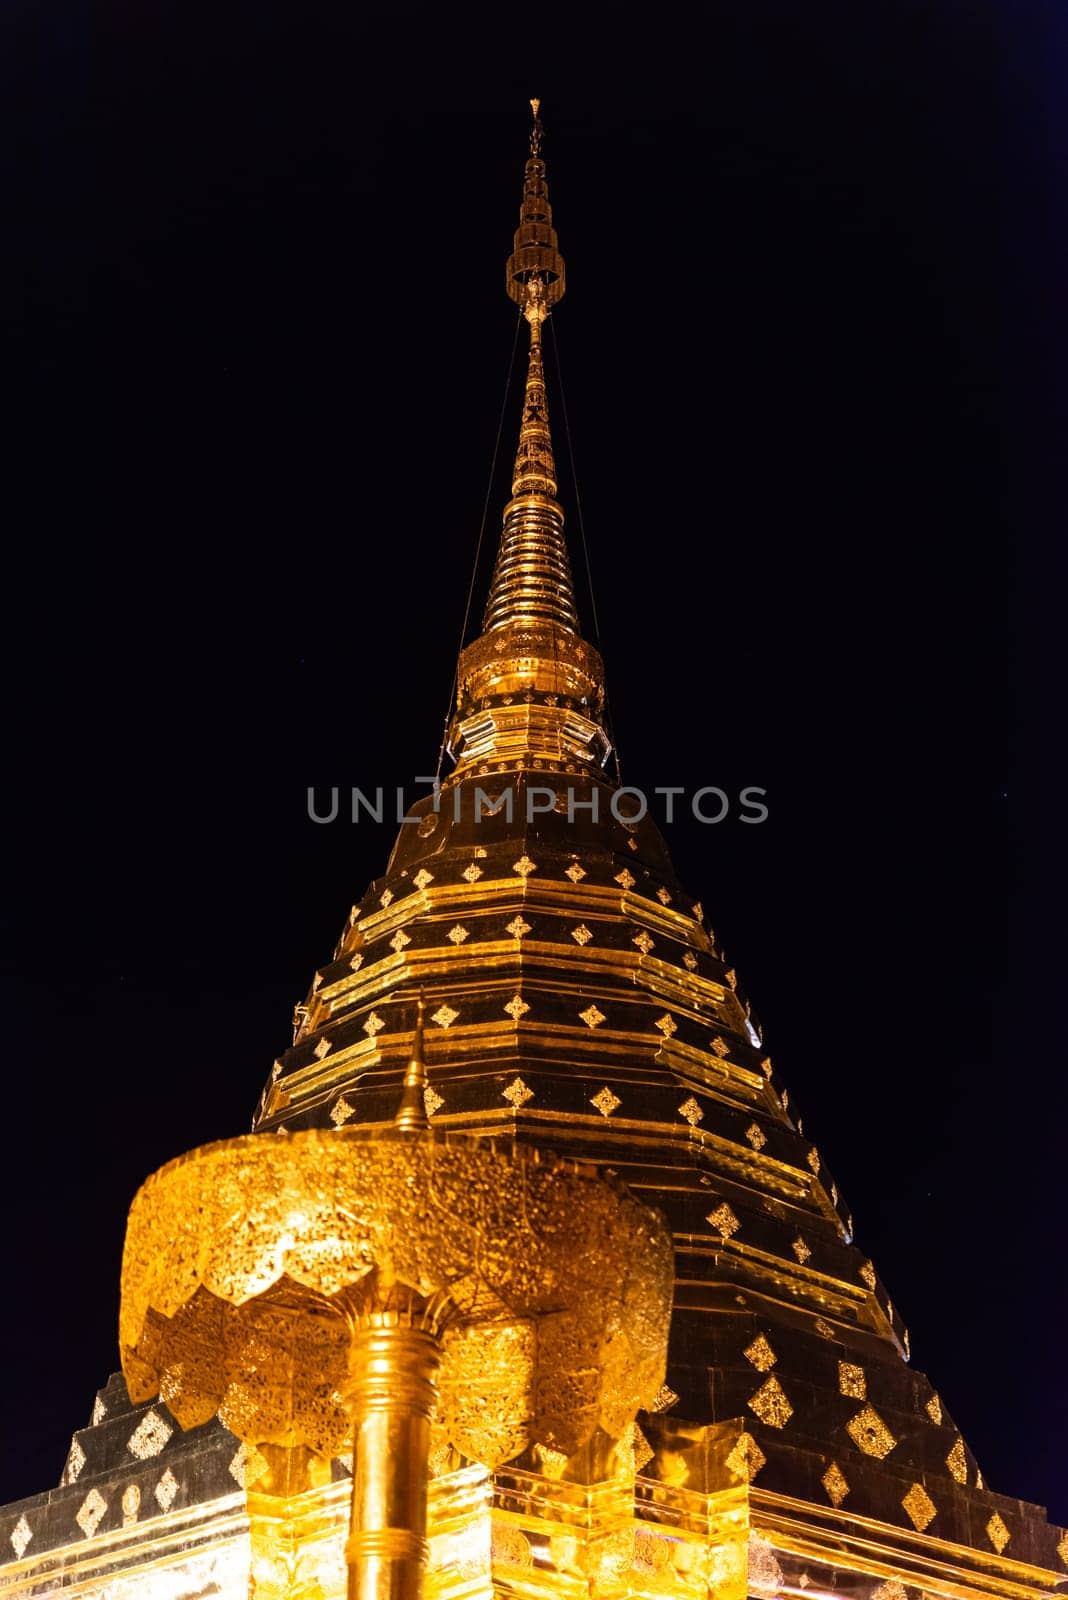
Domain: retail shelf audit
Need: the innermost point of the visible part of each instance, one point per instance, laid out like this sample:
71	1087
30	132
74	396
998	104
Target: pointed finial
411	1114
535	132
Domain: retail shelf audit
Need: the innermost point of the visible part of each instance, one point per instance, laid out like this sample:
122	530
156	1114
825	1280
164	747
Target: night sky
253	282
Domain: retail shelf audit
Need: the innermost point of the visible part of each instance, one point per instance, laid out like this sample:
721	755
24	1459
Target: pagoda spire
530	690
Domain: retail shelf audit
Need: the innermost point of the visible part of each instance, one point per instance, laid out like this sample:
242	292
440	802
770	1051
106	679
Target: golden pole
391	1395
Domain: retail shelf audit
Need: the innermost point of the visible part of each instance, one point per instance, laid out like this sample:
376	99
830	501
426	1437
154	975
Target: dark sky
253	281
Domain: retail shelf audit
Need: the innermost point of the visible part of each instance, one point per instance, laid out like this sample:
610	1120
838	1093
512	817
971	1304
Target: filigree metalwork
166	1490
836	1484
852	1381
517	1007
770	1404
626	879
149	1437
456	935
445	1016
90	1512
746	1458
575	872
605	1101
422	878
957	1462
919	1507
472	873
867	1272
869	1433
663	895
667	1025
399	941
518	928
386	899
581	934
691	1112
800	1249
373	1025
592	1017
934	1409
20	1536
721	1047
432	1101
755	1135
690	960
517	1093
997	1532
724	1221
524	866
759	1354
644	942
664	1399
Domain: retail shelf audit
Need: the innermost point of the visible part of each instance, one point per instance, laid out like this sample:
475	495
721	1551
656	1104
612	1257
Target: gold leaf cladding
770	1404
444	1016
691	1111
373	1025
690	960
667	1025
755	1135
724	1221
399	940
517	1007
644	943
867	1272
422	878
919	1506
472	873
90	1512
836	1484
934	1409
517	1093
524	866
432	1101
517	927
581	934
747	1458
997	1533
605	1101
665	1398
869	1433
510	1547
800	1250
21	1534
592	1017
721	1047
458	934
759	1354
852	1381
575	872
626	879
386	899
957	1462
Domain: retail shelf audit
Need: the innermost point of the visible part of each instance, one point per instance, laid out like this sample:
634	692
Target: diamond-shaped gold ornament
458	934
432	1101
444	1016
759	1354
472	873
592	1017
957	1462
691	1111
626	879
517	1093
524	866
997	1533
852	1381
605	1101
836	1484
422	878
517	1007
724	1221
581	934
721	1047
575	872
643	941
800	1250
919	1506
755	1136
869	1433
667	1025
770	1404
517	927
747	1458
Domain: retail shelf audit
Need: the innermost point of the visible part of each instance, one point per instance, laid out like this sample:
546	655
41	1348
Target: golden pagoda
526	1282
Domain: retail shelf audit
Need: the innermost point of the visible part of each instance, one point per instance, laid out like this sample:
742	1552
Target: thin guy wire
582	537
478	546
